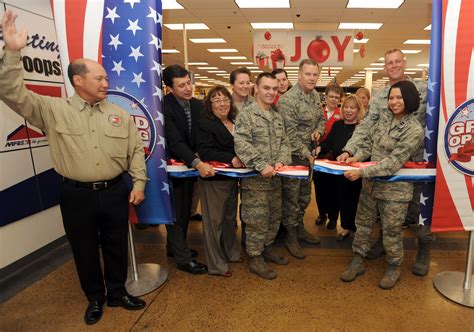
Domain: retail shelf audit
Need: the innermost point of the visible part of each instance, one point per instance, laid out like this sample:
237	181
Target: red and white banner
454	195
277	49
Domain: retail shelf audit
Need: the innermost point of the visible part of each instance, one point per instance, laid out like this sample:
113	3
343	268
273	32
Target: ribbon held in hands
411	171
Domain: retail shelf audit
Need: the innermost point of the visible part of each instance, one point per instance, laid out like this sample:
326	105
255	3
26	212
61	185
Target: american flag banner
454	194
126	37
432	111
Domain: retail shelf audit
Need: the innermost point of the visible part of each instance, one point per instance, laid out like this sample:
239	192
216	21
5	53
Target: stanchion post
455	285
142	278
131	250
468	276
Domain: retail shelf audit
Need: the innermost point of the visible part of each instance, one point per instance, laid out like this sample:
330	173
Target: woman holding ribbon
219	193
390	143
347	191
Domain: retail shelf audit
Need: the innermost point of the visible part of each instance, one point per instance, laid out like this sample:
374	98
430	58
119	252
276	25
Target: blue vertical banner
131	55
432	109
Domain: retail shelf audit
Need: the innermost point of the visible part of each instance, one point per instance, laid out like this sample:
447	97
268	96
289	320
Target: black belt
97	185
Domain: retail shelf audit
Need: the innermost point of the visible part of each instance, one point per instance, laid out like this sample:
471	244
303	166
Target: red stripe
45	90
443	97
52	6
99	56
445	215
464	46
75	15
470	190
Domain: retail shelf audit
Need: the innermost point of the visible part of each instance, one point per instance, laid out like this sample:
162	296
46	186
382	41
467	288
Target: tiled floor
307	295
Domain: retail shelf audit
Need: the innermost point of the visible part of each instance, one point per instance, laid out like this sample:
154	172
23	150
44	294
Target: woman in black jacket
348	191
219	193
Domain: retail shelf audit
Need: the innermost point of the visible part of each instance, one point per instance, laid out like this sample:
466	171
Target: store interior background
41	232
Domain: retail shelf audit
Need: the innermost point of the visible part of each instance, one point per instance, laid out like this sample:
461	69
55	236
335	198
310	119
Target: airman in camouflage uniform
261	143
303	114
390	142
378	105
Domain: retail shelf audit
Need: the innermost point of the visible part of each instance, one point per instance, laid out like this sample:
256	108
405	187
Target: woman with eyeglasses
392	141
219	193
326	195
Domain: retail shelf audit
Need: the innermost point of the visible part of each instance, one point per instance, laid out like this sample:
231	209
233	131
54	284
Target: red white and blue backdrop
454	194
125	36
28	183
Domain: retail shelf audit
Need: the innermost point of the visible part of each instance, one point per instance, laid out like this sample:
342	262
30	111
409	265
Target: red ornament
362	51
318	50
359	35
268	35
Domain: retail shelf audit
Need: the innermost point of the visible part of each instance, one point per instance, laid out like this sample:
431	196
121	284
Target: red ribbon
360	164
174	162
292	168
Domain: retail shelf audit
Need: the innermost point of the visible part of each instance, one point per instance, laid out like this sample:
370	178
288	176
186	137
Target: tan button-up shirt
87	142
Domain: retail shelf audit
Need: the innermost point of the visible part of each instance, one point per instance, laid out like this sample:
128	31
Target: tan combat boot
260	268
271	255
292	244
422	260
391	276
356	268
303	235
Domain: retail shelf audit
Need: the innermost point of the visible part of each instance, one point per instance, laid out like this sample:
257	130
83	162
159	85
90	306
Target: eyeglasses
221	101
333	97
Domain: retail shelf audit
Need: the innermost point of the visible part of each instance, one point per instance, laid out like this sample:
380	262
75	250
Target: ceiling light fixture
361	41
233	57
216	71
360	26
207	40
222	50
279	25
417	41
263	3
189	26
207	68
374	3
410	51
171	4
169	51
428	27
242	63
197	63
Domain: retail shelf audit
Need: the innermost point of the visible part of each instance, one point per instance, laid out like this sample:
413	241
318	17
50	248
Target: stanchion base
451	285
150	277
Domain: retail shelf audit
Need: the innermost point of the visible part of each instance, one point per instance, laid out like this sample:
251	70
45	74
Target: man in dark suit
182	113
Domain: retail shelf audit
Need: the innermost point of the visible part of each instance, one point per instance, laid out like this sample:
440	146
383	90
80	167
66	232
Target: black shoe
93	312
194	253
127	301
141	226
320	220
331	224
193	267
342	236
197	217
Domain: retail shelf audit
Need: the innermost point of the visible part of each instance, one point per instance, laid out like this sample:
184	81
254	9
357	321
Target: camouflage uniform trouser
392	215
296	196
422	232
261	210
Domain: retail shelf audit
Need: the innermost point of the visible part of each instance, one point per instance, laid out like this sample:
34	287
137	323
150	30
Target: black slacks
177	232
93	217
349	192
326	189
